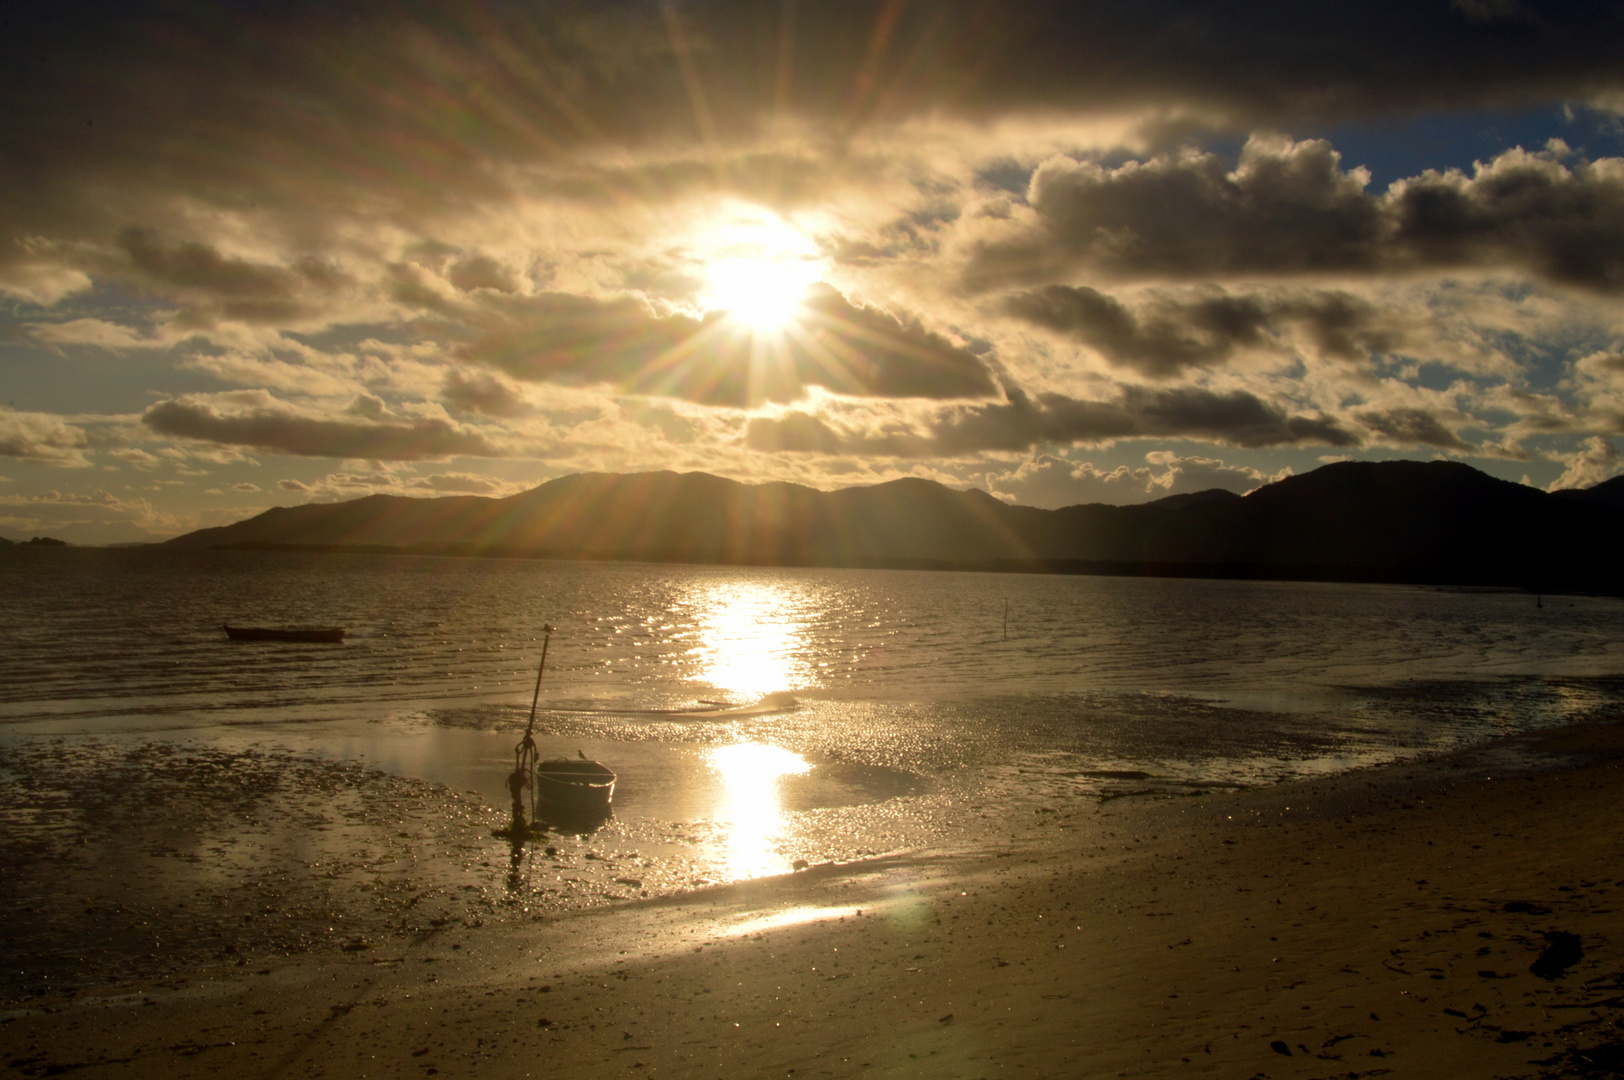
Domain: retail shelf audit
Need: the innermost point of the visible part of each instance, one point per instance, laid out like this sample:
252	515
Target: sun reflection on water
752	638
750	774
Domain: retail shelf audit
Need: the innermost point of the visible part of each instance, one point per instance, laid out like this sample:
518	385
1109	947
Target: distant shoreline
1435	576
1439	576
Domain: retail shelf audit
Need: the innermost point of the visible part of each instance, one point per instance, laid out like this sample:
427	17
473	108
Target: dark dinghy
268	633
576	785
576	791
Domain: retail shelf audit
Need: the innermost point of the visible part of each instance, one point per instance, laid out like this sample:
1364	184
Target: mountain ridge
1434	522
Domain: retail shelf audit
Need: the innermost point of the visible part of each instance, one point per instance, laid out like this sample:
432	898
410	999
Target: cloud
799	432
42	438
483	392
1412	427
1599	460
346	484
95	517
1170	333
1236	418
463	484
41	279
479	222
1543	213
1603	366
306	377
131	455
1193	473
843	347
266	424
1023	422
1049	481
1289	209
501	83
312	141
97	332
1286	208
217	286
473	272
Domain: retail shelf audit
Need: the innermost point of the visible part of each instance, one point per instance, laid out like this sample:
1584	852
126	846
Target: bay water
765	696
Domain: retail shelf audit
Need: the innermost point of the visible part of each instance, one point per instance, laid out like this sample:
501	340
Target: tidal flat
1456	915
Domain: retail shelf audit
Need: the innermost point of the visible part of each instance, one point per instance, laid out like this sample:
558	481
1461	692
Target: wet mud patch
131	862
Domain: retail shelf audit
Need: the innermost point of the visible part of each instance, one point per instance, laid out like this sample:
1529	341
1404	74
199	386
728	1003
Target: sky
265	254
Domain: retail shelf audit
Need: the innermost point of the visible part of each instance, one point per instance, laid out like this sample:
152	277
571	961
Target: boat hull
267	633
576	786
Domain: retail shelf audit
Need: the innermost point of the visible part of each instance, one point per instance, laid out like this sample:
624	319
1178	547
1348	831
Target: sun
762	293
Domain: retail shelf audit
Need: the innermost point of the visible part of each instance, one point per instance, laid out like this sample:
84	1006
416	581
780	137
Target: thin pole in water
1006	618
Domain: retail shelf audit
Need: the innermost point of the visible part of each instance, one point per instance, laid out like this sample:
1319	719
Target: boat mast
545	641
525	754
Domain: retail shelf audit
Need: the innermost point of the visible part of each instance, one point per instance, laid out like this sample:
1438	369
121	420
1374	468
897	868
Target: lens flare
762	293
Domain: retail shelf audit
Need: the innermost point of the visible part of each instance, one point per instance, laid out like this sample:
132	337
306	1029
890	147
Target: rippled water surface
877	685
205	803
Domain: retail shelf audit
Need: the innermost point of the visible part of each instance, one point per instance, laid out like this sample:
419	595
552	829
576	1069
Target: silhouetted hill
1404	521
1606	493
38	541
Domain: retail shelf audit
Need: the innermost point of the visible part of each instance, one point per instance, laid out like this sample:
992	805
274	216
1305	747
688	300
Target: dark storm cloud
1412	427
274	428
195	266
1284	209
1564	222
629	68
1024	421
328	107
211	284
1290	209
1234	419
842	347
1168	334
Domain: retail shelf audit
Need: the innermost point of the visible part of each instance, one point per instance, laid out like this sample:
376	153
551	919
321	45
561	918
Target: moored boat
576	785
288	633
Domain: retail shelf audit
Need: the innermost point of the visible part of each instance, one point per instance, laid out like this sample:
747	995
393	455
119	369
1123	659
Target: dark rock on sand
1526	907
1562	951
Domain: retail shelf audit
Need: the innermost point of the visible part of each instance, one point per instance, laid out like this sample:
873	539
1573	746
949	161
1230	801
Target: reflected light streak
750	637
793	917
750	773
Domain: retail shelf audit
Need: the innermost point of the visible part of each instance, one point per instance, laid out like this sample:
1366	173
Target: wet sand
1383	922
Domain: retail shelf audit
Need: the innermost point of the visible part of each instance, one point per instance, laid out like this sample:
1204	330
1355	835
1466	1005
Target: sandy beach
1381	922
